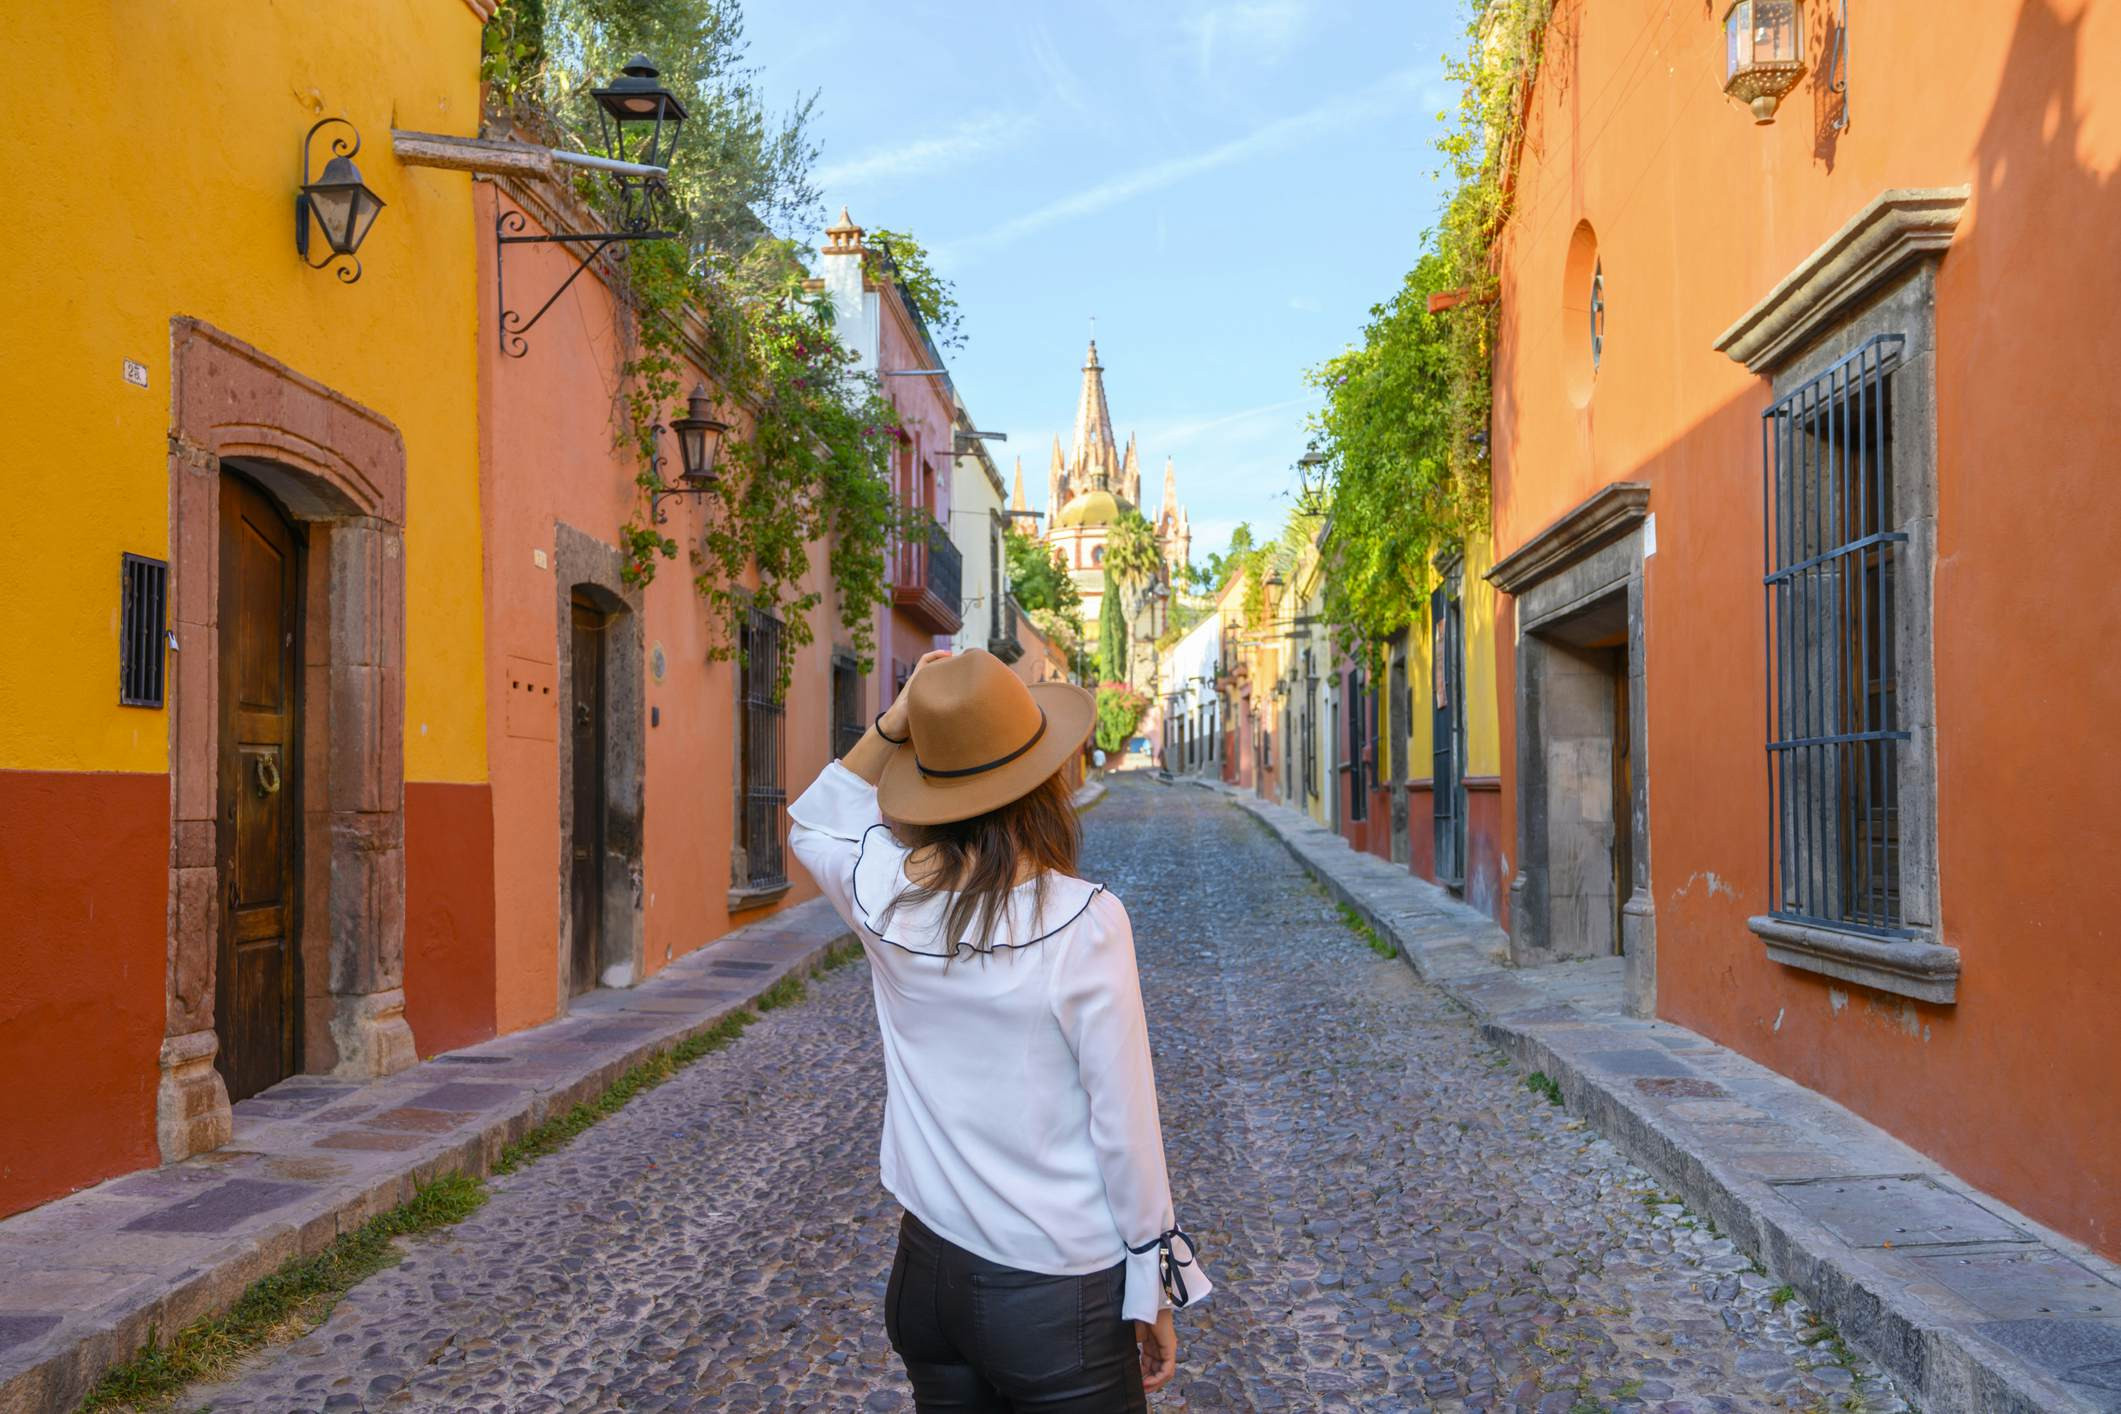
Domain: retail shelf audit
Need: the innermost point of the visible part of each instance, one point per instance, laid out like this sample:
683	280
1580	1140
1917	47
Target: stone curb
80	1239
1548	1021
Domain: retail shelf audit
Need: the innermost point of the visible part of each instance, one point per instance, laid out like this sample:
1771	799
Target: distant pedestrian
1020	1122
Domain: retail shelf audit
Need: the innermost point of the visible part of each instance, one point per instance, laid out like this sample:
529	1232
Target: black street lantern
339	201
699	439
640	120
1311	472
699	443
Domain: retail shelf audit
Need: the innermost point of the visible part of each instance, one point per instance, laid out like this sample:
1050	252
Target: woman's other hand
1159	1343
894	723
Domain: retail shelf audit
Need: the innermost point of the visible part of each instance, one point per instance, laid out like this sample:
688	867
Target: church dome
1093	507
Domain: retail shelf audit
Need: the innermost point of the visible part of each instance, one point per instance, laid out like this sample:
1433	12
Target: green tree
1131	552
740	173
1386	430
930	294
1111	630
1119	712
1220	567
1037	577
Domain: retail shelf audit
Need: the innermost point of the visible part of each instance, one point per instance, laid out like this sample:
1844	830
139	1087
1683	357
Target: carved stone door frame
338	468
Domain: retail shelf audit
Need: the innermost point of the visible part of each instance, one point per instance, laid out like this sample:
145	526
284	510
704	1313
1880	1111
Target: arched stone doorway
601	764
336	472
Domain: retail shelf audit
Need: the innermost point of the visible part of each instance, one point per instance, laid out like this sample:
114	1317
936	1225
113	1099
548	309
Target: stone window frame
743	895
1877	276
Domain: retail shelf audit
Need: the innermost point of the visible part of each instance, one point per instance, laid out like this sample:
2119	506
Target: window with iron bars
847	724
1358	743
1310	728
762	794
1834	546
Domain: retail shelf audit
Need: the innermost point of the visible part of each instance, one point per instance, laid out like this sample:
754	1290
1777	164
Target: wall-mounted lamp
640	121
1311	473
339	201
1763	53
699	444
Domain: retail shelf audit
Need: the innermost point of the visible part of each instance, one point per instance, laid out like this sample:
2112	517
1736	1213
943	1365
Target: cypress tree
1111	634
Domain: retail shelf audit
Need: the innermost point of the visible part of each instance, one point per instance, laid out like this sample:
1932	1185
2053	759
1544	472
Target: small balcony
926	578
1004	643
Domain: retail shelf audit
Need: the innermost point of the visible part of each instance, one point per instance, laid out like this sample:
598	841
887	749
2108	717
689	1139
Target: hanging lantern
1763	45
699	439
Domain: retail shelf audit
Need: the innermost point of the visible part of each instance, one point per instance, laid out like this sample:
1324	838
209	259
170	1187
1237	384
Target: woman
1020	1124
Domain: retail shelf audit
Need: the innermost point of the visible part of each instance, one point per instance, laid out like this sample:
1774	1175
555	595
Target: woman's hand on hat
894	722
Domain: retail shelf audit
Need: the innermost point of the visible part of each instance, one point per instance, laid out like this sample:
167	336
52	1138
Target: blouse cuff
1164	1271
839	804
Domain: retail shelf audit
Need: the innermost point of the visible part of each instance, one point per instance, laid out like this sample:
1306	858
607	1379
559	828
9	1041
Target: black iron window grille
1832	551
143	630
1358	742
762	794
1447	719
1310	734
847	724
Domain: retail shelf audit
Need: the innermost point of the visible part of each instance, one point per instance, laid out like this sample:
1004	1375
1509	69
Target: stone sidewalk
1970	1304
83	1280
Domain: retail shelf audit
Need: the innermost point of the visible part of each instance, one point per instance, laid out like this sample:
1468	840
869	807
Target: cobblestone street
1393	1219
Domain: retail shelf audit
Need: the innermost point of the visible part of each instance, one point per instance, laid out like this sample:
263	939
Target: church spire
1016	495
1170	506
1130	475
1093	451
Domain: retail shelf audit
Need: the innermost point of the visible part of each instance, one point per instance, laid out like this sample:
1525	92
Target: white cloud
1367	105
1174	435
1249	27
974	137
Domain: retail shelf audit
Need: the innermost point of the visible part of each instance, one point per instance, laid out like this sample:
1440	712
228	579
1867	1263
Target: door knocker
268	776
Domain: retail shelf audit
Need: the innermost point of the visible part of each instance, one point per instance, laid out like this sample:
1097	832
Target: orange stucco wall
84	870
1697	214
550	456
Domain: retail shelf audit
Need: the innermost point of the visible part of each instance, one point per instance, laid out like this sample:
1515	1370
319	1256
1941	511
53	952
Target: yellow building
242	763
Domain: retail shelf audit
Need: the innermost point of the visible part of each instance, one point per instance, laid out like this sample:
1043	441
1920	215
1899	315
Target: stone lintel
1600	518
1926	971
1899	225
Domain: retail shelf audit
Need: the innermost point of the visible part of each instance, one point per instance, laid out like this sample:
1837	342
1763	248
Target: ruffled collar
880	877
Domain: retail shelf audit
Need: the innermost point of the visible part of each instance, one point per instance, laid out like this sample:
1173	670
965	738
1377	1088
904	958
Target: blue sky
1226	185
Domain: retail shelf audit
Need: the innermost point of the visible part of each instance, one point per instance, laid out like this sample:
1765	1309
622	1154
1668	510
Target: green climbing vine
1405	420
806	461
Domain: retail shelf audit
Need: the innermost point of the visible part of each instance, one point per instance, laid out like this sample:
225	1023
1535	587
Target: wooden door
586	879
259	790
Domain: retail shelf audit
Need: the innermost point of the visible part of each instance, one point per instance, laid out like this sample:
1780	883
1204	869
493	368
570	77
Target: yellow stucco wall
150	167
1483	726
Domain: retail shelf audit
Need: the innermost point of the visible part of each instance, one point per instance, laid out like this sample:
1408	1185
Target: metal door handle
268	776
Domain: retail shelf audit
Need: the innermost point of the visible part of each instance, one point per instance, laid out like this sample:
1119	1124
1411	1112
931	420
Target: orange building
638	781
1803	449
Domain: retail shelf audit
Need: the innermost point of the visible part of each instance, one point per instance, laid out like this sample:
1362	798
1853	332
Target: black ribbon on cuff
1168	1263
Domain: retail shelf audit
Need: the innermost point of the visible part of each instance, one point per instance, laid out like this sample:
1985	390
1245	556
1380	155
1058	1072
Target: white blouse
1020	1116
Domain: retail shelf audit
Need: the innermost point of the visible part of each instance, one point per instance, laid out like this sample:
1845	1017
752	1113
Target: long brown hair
978	860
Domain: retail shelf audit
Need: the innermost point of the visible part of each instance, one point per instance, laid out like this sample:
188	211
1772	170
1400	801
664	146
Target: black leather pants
976	1335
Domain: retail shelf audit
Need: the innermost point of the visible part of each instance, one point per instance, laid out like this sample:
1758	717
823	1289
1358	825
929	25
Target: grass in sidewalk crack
296	1298
300	1295
1381	946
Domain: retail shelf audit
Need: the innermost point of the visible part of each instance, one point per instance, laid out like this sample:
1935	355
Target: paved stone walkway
1394	1221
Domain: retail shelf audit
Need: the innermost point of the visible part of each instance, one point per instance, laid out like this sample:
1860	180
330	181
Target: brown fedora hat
979	737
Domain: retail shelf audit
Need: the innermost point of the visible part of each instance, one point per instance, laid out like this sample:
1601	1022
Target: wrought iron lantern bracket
512	325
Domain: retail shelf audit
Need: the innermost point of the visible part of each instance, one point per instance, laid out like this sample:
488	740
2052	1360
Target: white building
1192	729
978	517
